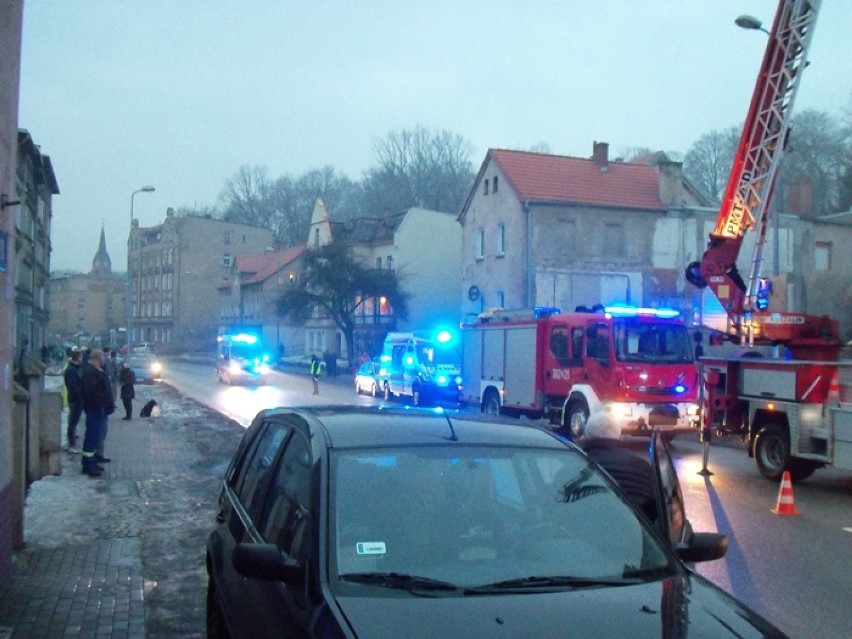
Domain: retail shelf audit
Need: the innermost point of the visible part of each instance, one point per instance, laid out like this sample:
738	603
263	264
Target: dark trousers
75	410
95	423
128	406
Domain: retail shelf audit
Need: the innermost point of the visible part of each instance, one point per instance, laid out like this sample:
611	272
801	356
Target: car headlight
263	369
234	368
156	368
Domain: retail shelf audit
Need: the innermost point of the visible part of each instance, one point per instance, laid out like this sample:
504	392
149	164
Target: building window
613	239
494	190
501	299
389	262
378	263
501	239
227	237
480	244
822	256
292	278
81	304
226	259
316	237
485	186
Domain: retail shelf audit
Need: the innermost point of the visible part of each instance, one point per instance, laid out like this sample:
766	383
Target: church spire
102	264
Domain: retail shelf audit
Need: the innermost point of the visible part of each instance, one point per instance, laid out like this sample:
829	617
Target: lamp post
144	189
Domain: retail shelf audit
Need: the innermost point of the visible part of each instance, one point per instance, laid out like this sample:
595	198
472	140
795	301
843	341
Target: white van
423	368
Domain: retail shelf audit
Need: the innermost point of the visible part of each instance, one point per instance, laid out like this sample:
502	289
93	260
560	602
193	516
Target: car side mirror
703	547
266	561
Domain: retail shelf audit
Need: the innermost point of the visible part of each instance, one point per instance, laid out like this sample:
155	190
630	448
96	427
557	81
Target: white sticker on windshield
370	548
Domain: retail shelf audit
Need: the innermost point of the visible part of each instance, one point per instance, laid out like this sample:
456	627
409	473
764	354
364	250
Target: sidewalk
122	555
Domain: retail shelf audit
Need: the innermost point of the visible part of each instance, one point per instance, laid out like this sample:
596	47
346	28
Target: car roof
357	426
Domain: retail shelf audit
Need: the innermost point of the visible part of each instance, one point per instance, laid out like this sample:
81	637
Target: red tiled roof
563	179
274	262
249	263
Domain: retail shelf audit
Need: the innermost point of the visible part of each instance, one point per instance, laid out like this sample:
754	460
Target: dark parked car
375	522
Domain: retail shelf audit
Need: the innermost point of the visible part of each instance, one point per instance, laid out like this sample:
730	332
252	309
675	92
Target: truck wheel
575	422
772	452
491	403
801	469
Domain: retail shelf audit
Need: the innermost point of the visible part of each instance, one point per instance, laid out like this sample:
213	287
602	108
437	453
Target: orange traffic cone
834	389
786	505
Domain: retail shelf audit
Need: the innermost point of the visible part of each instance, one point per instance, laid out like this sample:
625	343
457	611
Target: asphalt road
793	570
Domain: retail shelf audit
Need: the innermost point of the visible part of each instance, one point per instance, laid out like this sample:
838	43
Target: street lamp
750	22
144	189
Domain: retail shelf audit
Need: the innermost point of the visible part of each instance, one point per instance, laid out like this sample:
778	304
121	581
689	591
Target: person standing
127	378
98	405
74	397
316	368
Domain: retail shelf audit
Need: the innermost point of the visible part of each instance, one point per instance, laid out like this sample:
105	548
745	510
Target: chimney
600	154
800	198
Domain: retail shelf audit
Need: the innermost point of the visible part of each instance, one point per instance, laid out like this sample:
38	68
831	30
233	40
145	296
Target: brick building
175	268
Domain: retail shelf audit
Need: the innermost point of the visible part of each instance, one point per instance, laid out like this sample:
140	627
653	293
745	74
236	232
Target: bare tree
246	198
708	162
337	283
418	168
817	152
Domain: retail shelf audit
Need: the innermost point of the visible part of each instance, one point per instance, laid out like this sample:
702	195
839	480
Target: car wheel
772	452
575	422
216	628
491	403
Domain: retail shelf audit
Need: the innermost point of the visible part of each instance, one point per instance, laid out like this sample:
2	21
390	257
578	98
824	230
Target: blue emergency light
621	310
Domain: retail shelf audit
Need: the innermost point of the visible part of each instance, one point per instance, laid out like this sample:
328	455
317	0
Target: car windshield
652	343
484	518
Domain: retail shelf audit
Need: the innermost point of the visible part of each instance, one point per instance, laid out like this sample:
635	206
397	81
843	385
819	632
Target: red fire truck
791	408
636	363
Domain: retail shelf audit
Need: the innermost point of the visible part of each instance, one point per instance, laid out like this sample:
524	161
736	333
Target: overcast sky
180	94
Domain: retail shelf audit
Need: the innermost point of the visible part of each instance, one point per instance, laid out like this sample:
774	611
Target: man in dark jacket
74	392
127	378
98	405
634	474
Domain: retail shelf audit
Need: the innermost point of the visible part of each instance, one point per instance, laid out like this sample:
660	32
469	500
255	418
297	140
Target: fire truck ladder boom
746	202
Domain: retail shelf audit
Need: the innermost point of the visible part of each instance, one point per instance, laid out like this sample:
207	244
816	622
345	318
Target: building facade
545	230
422	246
174	270
35	187
88	309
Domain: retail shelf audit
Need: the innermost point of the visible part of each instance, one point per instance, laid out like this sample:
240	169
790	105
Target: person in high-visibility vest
316	368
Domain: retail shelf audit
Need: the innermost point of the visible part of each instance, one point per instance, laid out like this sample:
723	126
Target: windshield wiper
551	581
398	580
